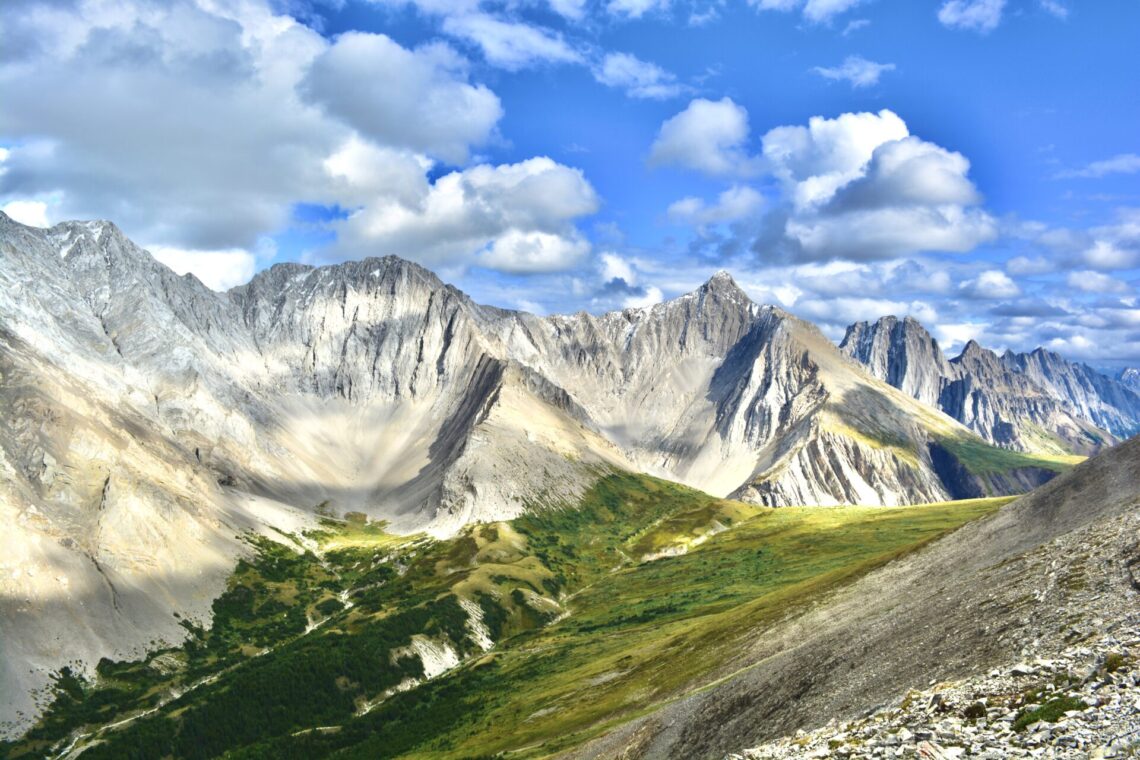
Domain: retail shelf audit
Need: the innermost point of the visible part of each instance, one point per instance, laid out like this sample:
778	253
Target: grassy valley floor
513	639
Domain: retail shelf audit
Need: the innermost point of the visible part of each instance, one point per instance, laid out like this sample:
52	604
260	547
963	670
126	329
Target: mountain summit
723	284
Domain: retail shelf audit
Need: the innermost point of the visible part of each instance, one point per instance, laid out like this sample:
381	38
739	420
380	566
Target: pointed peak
98	231
974	349
364	273
913	327
723	283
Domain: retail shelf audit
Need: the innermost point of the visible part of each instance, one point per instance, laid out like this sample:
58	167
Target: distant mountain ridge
1130	377
1031	402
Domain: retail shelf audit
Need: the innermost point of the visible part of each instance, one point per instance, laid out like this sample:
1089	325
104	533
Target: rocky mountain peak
360	272
723	285
901	352
974	351
153	411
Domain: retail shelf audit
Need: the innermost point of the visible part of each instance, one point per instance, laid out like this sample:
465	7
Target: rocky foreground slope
1035	401
1081	702
1058	567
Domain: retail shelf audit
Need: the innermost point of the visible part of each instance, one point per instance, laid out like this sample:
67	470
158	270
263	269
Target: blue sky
974	163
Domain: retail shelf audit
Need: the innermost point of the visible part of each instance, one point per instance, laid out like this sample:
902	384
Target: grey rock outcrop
1000	714
902	353
1035	402
1095	397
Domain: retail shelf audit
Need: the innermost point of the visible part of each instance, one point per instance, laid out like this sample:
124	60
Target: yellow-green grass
980	458
646	634
870	435
336	535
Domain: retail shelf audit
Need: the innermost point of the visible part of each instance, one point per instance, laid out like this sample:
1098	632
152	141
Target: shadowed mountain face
153	420
1033	402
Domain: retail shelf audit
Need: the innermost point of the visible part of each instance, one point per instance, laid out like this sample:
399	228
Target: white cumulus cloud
511	45
192	132
708	136
31	213
1095	282
1124	163
813	162
825	10
515	217
859	186
519	252
991	284
203	125
219	270
571	9
635	8
737	202
429	107
652	295
613	267
816	11
1055	8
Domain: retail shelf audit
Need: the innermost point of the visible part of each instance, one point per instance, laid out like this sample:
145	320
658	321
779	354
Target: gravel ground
1082	702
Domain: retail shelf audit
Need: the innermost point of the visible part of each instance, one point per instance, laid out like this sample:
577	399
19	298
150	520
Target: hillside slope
524	637
1054	566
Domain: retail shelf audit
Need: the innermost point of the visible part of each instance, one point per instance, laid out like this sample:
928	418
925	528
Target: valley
631	600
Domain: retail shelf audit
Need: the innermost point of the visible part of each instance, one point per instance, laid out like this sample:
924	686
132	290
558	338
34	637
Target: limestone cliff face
901	352
1009	409
1036	402
150	421
1097	398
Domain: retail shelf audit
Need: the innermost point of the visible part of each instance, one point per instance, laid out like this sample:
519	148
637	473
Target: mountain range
1035	401
153	422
